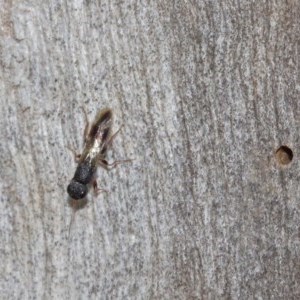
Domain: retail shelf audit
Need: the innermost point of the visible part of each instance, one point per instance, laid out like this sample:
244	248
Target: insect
97	138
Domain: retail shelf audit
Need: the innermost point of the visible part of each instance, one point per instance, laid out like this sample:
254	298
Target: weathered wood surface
207	91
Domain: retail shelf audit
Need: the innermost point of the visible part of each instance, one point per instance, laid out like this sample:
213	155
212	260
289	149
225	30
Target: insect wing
98	136
101	125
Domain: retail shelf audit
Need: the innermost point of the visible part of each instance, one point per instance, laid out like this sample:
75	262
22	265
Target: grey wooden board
207	91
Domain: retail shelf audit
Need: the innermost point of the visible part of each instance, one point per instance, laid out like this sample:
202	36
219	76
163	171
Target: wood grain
207	91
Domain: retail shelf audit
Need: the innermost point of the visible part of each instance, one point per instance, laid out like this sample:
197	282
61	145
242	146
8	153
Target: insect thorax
84	173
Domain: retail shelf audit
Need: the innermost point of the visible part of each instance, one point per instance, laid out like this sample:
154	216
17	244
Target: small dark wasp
97	139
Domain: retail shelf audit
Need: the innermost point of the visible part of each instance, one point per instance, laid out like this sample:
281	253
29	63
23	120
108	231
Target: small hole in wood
284	155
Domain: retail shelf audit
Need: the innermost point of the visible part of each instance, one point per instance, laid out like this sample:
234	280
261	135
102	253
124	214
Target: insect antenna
75	205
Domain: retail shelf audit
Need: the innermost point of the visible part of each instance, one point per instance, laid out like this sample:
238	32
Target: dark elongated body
96	142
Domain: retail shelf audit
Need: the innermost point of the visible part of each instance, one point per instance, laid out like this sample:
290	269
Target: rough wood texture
207	90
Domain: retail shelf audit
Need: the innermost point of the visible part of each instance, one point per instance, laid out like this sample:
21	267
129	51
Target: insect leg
76	155
87	124
95	187
108	166
109	141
